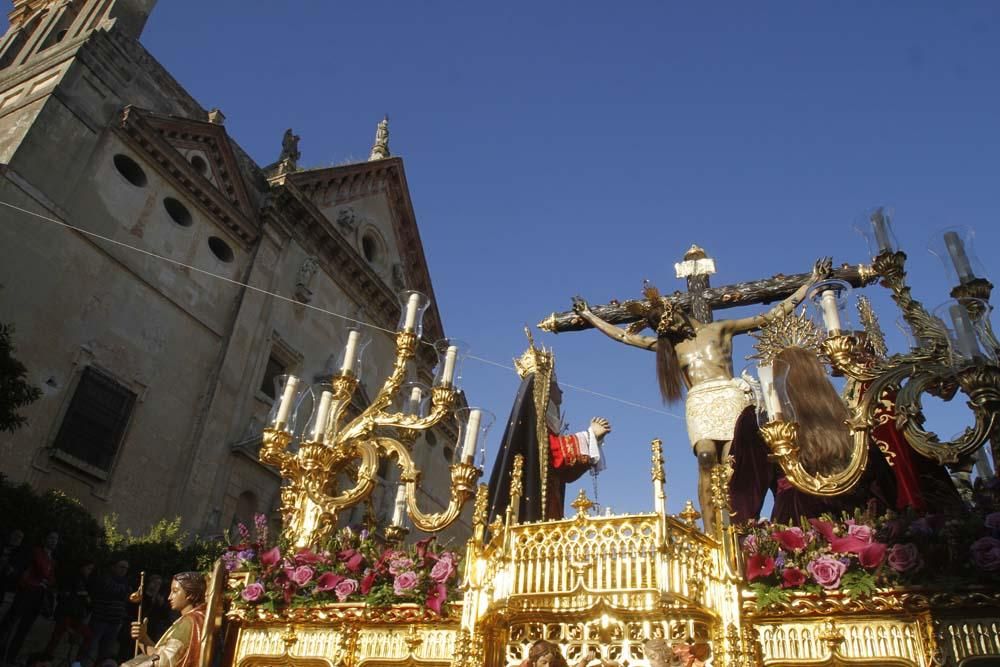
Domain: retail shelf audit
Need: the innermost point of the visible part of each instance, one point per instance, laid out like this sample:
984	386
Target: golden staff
137	598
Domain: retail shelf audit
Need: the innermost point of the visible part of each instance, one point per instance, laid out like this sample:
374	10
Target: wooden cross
702	300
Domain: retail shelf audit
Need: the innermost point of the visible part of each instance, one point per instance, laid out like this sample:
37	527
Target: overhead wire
296	302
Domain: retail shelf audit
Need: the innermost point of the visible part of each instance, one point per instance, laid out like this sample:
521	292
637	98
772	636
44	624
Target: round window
369	246
220	249
178	212
130	170
198	162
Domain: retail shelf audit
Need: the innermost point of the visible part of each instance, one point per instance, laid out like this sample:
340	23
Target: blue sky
561	149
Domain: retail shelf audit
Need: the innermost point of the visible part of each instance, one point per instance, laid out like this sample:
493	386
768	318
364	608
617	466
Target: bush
163	549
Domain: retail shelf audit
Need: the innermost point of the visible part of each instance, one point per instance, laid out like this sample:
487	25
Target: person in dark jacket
35	584
73	609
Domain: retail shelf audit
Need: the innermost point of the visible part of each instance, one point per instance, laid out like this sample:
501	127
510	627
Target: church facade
157	374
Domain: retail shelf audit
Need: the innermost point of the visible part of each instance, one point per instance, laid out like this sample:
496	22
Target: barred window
96	419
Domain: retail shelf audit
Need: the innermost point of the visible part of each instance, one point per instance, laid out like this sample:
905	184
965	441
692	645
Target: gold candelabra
888	388
338	449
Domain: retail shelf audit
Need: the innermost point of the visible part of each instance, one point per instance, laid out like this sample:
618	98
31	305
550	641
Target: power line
281	297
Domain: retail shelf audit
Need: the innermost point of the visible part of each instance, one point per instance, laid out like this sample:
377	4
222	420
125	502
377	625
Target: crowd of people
90	605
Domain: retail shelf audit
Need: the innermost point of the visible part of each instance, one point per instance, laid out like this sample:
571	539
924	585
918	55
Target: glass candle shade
955	249
352	354
288	392
876	228
966	342
773	381
830	300
413	305
413	399
473	425
323	409
451	354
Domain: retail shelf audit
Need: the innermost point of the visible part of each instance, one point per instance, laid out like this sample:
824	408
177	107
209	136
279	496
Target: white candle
412	306
881	232
771	402
350	352
399	510
831	318
956	249
287	398
471	436
448	374
415	397
322	414
967	345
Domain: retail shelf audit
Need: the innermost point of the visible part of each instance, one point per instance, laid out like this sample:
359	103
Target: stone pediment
200	158
337	186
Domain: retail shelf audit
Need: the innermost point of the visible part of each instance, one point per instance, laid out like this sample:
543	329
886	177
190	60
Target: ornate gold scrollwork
903	378
311	500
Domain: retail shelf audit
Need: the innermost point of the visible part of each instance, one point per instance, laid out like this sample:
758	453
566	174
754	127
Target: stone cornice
339	258
346	183
137	130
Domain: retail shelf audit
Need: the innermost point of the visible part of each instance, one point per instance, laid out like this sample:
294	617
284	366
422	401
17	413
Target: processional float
633	588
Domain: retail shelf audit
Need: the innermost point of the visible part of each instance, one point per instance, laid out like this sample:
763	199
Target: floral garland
857	554
353	567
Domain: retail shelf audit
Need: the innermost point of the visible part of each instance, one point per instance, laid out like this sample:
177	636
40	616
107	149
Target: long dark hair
668	370
825	446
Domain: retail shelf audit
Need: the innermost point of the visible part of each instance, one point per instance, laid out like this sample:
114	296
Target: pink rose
992	521
442	570
759	565
871	556
328	581
302	575
827	571
270	558
862	532
986	553
399	565
904	557
346	588
253	592
792	539
404	582
750	543
792	577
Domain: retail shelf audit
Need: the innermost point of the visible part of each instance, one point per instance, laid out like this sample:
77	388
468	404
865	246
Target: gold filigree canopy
787	331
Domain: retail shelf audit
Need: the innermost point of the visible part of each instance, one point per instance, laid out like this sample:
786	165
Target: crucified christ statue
698	355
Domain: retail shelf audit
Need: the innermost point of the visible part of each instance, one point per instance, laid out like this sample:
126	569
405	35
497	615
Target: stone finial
216	117
288	161
696	263
380	149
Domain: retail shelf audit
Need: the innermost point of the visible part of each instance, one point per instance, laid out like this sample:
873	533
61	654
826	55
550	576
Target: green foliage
857	584
15	391
163	549
80	536
768	595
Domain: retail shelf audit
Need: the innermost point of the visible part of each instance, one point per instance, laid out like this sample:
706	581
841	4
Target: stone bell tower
38	25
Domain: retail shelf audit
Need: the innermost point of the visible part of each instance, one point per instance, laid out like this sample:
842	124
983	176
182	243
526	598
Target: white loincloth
713	407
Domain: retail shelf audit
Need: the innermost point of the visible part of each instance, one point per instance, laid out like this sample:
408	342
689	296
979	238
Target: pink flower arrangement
855	555
352	567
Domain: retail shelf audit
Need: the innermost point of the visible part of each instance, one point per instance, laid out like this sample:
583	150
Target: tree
15	391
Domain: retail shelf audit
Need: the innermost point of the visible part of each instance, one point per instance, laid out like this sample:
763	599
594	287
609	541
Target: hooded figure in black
550	459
